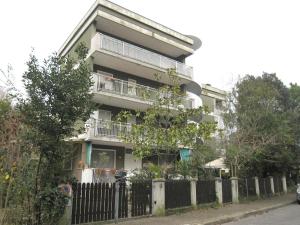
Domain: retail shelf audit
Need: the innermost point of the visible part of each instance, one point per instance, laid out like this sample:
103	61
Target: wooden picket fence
94	202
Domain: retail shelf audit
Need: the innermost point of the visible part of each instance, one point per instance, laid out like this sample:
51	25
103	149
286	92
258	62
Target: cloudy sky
239	36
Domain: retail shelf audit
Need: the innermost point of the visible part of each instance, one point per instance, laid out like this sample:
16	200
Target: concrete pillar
96	42
257	186
272	185
158	197
219	193
66	219
193	192
284	187
235	189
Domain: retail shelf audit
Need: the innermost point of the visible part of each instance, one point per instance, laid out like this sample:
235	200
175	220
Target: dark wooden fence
93	202
265	187
177	193
206	191
226	191
247	187
123	201
141	198
278	187
96	201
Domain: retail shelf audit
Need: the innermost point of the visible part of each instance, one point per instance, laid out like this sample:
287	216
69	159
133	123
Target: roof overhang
116	20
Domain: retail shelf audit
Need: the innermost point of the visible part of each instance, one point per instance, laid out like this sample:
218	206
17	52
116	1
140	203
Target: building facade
125	51
215	99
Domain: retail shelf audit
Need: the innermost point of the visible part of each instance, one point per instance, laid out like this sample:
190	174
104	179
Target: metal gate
265	187
278	187
141	198
206	191
246	187
226	191
177	193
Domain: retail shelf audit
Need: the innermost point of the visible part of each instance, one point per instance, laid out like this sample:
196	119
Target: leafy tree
58	96
10	128
294	120
166	124
294	112
259	126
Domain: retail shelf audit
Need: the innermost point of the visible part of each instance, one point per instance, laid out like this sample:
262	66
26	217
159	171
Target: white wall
132	163
87	176
197	99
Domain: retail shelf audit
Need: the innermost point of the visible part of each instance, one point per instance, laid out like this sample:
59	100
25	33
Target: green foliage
259	121
185	168
156	171
58	94
58	97
166	124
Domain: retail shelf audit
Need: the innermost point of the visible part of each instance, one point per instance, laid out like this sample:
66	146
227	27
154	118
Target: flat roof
130	14
208	87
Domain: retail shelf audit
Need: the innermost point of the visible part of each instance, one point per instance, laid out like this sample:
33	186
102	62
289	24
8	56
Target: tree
166	124
58	96
258	121
294	120
10	129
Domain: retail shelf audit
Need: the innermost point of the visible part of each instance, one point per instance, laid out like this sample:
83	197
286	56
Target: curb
227	219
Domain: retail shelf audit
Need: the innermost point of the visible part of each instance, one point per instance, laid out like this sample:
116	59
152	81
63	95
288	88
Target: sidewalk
214	216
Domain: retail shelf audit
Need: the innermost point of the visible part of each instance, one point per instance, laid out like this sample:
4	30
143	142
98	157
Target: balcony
106	131
126	94
106	128
117	54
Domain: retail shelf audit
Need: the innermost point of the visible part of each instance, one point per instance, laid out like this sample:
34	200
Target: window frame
103	149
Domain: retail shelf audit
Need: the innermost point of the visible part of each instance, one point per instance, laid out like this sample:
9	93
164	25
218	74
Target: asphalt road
288	215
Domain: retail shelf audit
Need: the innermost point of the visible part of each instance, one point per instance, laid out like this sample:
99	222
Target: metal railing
126	88
109	128
130	89
131	51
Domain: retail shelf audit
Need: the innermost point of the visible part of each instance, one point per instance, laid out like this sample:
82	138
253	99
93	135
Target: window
103	158
104	115
219	104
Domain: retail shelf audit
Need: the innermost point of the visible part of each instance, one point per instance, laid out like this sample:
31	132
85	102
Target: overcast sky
239	36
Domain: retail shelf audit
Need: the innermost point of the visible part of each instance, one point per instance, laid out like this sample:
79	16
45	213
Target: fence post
257	187
193	192
219	193
283	179
158	197
66	219
272	185
235	189
117	191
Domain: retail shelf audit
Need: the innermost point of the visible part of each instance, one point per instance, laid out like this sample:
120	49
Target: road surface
288	215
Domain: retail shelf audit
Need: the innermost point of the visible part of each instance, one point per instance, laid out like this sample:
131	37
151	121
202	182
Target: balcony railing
121	87
131	51
110	84
107	128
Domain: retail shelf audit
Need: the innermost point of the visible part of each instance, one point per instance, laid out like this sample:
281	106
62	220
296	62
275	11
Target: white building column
194	192
257	187
235	189
219	193
158	197
284	187
272	185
